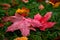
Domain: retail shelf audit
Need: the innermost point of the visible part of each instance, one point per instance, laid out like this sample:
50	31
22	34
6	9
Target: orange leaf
23	11
21	38
55	3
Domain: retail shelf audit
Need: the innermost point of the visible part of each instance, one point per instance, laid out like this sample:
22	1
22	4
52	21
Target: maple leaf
23	24
44	21
15	18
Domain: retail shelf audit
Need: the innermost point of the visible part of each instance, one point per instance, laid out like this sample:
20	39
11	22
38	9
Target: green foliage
49	34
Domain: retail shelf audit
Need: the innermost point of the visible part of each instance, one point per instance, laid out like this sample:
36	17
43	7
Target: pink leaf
25	31
22	25
15	18
33	29
47	16
5	19
18	15
37	17
35	23
13	27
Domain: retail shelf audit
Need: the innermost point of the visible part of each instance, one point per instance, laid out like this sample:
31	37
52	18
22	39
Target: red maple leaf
44	21
21	23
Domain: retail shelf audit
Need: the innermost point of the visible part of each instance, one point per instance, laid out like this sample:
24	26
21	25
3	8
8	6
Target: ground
48	34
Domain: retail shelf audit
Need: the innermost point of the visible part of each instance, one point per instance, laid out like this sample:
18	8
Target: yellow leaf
23	10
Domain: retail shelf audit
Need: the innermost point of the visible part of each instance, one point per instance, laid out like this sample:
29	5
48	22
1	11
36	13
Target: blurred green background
49	34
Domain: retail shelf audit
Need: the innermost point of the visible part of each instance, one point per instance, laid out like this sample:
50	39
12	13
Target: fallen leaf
24	11
21	38
44	21
23	24
55	3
